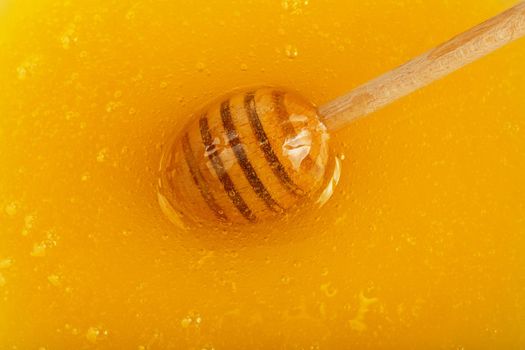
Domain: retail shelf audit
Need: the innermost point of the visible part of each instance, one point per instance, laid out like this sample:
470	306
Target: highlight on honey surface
251	156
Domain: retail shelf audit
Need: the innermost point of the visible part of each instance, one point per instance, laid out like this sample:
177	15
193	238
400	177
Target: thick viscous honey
252	156
420	246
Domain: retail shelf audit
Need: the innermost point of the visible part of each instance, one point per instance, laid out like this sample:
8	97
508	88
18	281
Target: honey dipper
256	154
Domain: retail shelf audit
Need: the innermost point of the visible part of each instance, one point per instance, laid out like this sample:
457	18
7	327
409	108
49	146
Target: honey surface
421	246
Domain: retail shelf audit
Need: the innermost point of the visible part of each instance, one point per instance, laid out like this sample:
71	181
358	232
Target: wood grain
426	68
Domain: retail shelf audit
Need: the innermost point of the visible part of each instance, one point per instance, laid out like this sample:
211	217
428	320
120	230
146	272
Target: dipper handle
426	68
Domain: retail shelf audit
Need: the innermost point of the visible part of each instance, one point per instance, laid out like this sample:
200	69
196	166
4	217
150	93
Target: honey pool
421	246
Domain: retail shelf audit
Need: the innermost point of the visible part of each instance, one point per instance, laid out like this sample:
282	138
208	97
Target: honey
254	155
420	245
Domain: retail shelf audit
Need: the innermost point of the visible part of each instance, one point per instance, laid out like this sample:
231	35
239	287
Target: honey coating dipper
256	154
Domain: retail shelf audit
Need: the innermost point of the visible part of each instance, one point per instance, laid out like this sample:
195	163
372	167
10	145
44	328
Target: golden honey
254	155
420	246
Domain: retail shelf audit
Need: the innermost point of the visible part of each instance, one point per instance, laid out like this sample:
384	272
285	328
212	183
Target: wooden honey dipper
257	153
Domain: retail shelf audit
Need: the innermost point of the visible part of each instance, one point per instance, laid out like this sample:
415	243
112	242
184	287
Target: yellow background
422	246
